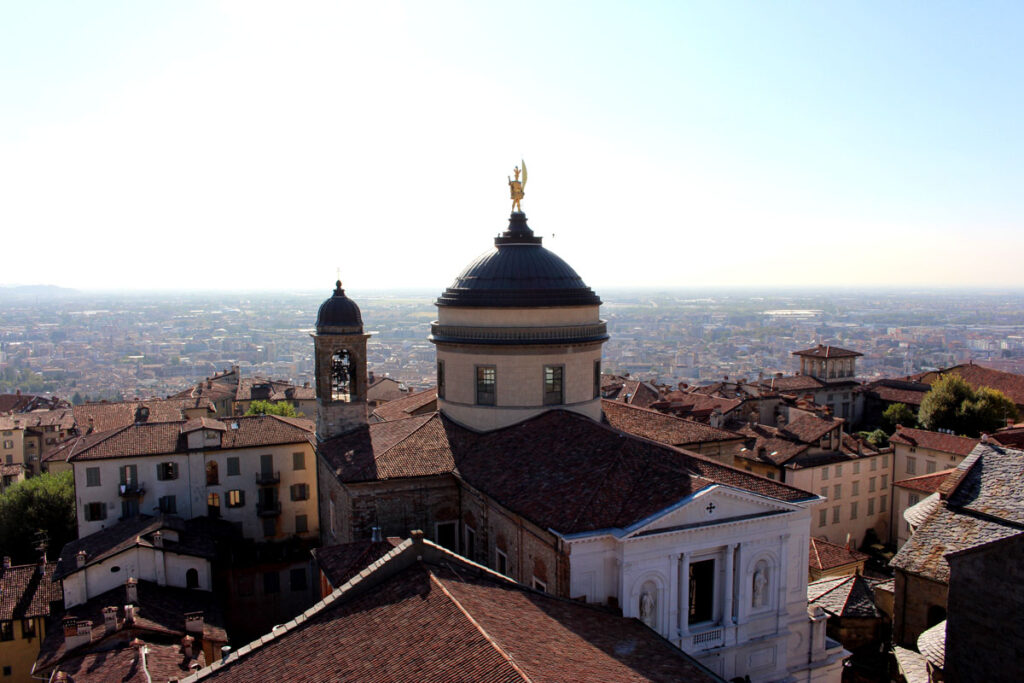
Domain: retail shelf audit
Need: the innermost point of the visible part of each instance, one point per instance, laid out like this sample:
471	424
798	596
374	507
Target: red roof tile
651	424
411	404
978	376
922	438
822	351
826	555
928	483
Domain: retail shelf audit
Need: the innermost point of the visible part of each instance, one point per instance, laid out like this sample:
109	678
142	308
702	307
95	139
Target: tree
953	404
941	407
267	408
77	399
46	504
877	438
898	414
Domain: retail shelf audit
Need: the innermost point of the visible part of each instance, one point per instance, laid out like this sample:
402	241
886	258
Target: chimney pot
110	619
129	614
131	589
158	539
194	622
80	558
186	646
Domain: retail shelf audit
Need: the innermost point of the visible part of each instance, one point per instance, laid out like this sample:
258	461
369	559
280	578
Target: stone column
783	576
672	595
730	586
684	595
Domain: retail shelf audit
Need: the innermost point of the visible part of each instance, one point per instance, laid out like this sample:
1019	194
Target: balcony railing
131	490
268	509
268	478
704	640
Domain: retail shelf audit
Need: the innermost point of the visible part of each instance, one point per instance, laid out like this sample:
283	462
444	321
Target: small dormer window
342	382
211	434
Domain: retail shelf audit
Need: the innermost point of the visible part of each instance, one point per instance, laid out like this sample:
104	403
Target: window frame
554	385
229	495
298	461
233	466
90	480
486	387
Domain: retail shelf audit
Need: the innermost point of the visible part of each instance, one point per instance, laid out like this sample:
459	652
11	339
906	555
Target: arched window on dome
342	377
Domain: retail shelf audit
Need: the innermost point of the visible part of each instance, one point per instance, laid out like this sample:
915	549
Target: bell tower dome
517	333
340	350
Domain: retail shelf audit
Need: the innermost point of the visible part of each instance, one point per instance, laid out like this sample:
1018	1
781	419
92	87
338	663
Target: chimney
225	650
80	559
62	677
109	619
375	535
131	590
186	646
129	614
158	539
194	622
76	632
7	562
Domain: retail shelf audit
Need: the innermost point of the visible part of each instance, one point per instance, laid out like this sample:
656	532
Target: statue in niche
648	603
760	585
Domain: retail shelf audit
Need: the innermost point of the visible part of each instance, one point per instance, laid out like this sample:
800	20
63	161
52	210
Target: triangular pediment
715	504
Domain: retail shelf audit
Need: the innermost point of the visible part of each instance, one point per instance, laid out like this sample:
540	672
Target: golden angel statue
517	187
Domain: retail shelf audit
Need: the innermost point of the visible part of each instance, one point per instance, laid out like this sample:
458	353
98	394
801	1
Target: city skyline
235	147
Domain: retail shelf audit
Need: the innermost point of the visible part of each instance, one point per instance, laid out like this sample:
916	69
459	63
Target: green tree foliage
877	438
898	414
953	404
45	503
77	399
267	408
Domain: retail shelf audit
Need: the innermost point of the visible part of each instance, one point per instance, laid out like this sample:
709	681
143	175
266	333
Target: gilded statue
517	187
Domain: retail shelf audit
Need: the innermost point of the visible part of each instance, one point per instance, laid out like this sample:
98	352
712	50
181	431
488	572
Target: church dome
339	314
518	273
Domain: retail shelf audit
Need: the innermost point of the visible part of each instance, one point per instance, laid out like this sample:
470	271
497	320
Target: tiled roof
423	614
822	351
907	392
660	427
809	428
339	563
844	596
385	389
932	644
409	404
696	403
198	537
159	438
413	447
61	418
825	555
260	389
983	502
791	383
978	376
928	483
1012	437
106	416
922	438
120	663
19	403
26	592
769	445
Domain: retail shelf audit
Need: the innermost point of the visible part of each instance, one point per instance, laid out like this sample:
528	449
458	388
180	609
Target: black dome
339	314
518	272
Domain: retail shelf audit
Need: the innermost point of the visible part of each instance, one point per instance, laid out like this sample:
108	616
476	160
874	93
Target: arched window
213	505
212	476
343	384
192	578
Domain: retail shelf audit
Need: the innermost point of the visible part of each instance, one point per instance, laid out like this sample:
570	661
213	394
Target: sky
269	146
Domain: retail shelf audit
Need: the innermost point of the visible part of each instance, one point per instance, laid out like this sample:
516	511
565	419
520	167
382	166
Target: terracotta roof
409	404
981	502
26	592
932	644
119	662
822	351
791	383
385	389
844	596
413	447
260	389
106	416
638	393
1012	437
769	445
421	613
339	563
696	404
922	438
810	428
978	376
160	438
651	424
928	483
907	392
61	418
20	403
825	555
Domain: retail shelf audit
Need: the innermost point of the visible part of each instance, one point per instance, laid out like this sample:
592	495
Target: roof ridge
429	419
817	555
109	434
479	627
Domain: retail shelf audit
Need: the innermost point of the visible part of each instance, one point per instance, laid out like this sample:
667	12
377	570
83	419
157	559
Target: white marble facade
743	610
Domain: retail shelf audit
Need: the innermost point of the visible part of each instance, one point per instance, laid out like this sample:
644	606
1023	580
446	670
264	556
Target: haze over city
245	146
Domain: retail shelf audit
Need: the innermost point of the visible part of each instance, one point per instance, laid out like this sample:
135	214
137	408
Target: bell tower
340	349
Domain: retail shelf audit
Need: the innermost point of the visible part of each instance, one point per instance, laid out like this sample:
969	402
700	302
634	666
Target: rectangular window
853	510
301	524
597	378
168	505
271	582
92	476
445	532
856	489
837	491
166	471
871	485
824	492
822	517
874	464
835	515
553	387
8	443
486	379
129	475
297	579
770	475
539	585
929	466
882	502
470	542
236	498
911	465
871	506
856	468
94	512
234	466
440	379
266	464
839	470
269	527
702	592
885	461
28	628
6	630
298	461
129	508
501	562
824	474
300	491
885	482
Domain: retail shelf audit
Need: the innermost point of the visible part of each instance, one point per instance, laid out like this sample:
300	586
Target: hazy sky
197	145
